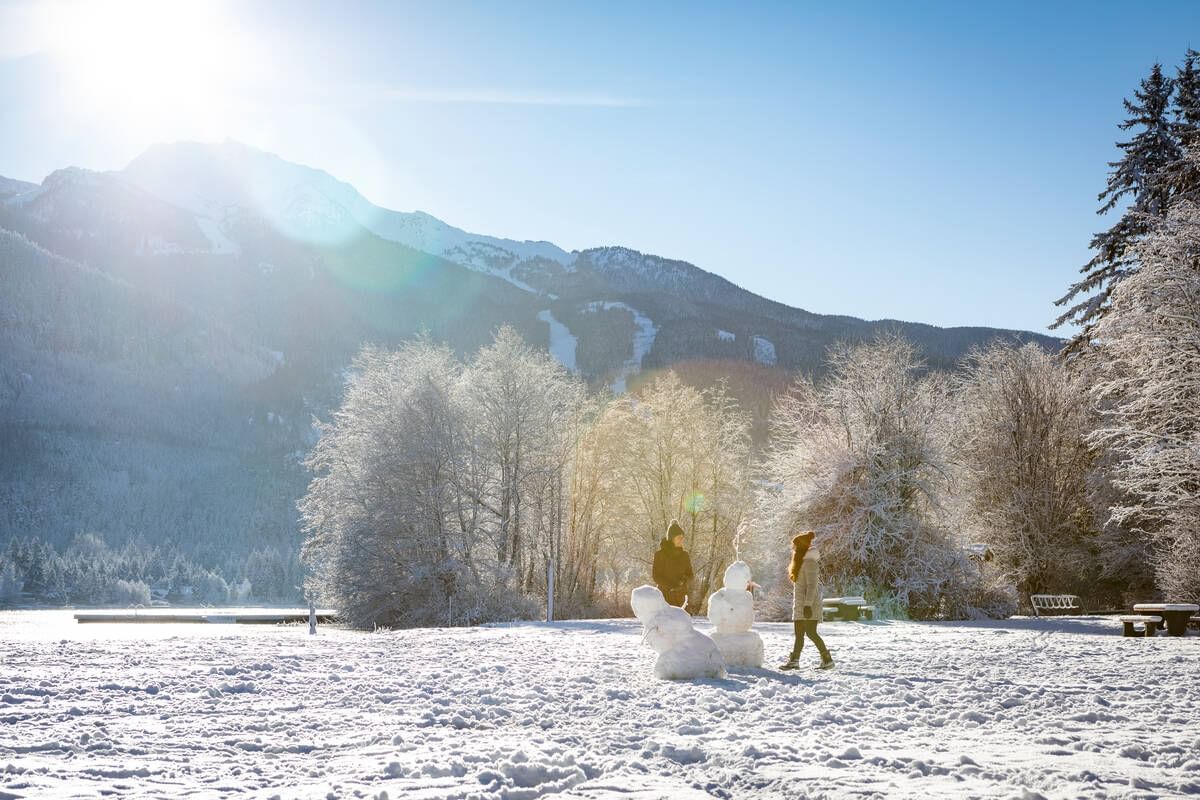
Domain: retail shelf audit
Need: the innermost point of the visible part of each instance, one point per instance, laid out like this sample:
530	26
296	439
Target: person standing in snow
805	572
673	566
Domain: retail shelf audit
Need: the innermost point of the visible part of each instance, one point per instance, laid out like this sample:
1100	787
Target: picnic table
1174	615
849	609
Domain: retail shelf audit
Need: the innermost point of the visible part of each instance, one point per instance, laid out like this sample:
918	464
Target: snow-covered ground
643	340
563	344
1023	708
764	351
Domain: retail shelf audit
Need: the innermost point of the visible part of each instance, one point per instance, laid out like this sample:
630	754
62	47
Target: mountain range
169	330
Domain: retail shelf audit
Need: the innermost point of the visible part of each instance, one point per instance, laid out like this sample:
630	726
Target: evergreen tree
37	556
1181	179
1187	100
1136	176
10	582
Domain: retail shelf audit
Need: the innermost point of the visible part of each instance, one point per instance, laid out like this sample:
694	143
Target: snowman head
647	601
737	576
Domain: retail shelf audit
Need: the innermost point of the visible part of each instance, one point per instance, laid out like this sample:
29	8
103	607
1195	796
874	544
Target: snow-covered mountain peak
310	204
213	181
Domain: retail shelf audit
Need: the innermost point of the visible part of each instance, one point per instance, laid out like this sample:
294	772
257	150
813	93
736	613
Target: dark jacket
672	567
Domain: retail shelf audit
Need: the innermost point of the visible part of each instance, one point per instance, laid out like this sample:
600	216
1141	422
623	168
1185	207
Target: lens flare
695	503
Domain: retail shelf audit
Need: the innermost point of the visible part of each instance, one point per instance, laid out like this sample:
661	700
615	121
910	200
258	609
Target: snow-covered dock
255	616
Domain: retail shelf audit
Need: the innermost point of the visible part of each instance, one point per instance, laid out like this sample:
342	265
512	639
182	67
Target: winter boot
826	662
793	662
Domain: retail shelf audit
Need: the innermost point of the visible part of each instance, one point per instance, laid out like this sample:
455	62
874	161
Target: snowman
683	652
731	611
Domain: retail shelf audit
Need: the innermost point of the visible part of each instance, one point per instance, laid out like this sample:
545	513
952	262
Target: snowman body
731	611
684	653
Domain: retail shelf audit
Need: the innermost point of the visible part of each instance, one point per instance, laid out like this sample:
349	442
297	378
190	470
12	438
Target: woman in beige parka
805	572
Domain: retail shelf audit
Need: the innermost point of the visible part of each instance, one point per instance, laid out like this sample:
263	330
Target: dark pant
808	627
676	596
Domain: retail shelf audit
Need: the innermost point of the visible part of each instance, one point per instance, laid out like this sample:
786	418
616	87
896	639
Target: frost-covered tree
1123	564
439	485
667	451
566	504
1024	461
524	408
532	413
1145	373
724	476
863	459
1135	178
385	540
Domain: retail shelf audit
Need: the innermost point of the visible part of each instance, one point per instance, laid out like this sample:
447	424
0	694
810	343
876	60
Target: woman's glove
807	611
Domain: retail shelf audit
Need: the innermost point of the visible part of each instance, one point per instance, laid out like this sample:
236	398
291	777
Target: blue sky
928	161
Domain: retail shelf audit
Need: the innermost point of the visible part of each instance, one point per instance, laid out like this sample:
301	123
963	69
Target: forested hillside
133	419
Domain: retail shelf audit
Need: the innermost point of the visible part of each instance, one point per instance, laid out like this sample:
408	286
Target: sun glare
150	67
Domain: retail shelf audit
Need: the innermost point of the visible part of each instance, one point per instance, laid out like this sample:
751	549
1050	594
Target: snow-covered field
1060	708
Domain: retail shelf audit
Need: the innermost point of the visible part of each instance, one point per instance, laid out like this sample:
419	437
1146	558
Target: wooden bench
1131	621
1055	604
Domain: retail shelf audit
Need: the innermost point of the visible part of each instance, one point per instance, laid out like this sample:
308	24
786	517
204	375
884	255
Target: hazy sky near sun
928	161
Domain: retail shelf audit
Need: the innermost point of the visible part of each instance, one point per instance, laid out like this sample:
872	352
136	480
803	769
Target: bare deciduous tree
666	451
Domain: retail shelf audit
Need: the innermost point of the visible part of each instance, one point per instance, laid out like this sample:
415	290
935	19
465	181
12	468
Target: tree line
90	572
450	491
